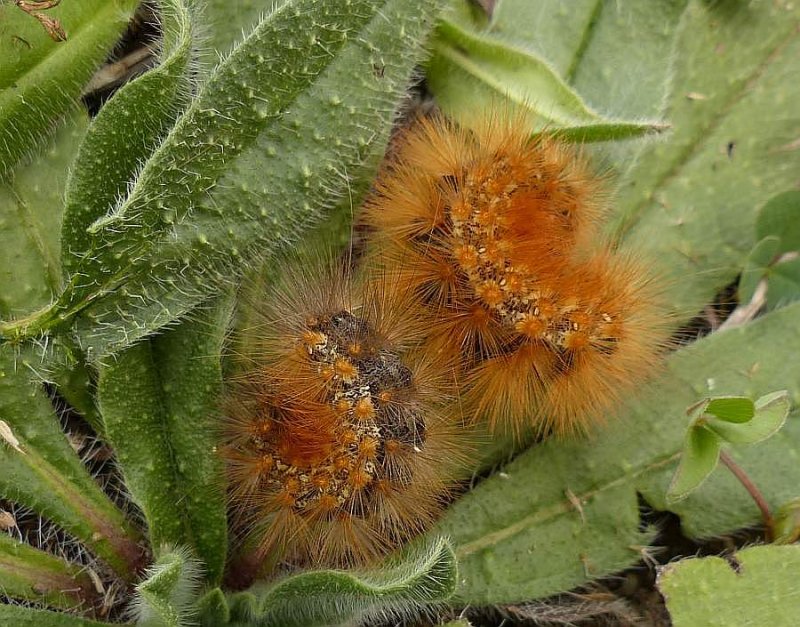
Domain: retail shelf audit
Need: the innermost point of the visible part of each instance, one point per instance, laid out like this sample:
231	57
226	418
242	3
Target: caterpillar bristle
338	445
499	234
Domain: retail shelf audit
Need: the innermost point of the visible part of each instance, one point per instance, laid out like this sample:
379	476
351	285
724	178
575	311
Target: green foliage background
120	237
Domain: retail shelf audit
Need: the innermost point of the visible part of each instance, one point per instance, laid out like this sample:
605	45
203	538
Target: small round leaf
736	409
770	414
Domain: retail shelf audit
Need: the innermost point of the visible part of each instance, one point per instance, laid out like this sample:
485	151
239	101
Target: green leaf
777	226
781	217
786	523
125	132
44	473
589	45
735	409
579	518
770	415
601	67
757	266
171	386
401	586
167	597
30	217
31	574
212	608
265	148
783	283
471	72
29	617
698	459
704	592
692	201
31	198
781	273
41	79
546	28
225	22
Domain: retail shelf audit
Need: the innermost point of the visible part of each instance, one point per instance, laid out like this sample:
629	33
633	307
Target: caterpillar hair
340	441
499	234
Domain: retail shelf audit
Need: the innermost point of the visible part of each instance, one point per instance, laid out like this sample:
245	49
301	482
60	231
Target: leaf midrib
561	507
167	436
583	45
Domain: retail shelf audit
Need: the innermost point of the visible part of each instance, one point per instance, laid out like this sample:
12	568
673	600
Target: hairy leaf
159	402
31	574
31	198
29	617
266	147
226	23
692	201
317	598
212	608
579	518
44	473
125	132
167	597
41	79
471	72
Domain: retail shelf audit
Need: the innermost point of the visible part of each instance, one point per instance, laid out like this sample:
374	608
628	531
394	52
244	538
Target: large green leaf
566	512
31	198
125	132
31	202
402	585
31	574
758	588
266	147
40	79
159	402
28	617
44	473
472	71
225	23
692	201
778	230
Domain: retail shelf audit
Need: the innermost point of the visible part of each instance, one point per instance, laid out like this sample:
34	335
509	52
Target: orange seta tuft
503	246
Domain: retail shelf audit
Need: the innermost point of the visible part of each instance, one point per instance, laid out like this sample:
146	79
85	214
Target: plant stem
753	490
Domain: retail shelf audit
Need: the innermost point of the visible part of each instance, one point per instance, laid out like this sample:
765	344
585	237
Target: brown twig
752	490
50	24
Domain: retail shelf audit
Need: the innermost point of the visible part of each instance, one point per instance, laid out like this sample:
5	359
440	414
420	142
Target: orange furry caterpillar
337	449
498	234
